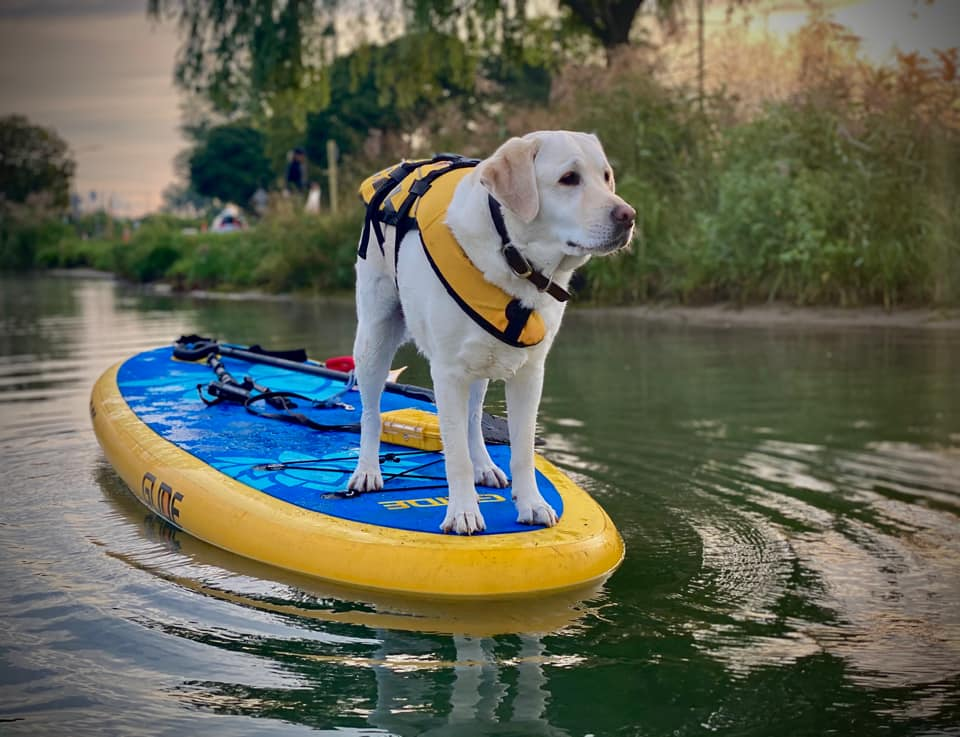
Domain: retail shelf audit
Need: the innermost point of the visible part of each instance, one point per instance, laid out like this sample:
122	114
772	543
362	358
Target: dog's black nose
623	215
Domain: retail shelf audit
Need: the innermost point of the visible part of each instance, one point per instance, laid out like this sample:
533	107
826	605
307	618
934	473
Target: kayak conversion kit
259	466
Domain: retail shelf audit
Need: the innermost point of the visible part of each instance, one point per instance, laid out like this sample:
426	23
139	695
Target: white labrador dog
559	209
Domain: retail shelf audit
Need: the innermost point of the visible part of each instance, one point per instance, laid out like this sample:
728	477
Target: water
789	499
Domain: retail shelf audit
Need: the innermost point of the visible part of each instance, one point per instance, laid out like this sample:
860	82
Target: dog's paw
464	521
490	474
365	479
537	512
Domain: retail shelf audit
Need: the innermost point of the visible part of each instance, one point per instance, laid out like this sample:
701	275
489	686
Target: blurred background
796	151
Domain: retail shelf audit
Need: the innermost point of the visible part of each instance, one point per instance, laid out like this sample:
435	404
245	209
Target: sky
885	25
101	74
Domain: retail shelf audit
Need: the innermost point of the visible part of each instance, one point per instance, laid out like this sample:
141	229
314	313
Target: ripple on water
865	540
754	541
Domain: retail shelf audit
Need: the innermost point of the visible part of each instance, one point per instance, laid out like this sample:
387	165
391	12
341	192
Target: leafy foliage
24	233
846	193
839	184
34	163
230	164
286	252
235	53
271	56
378	88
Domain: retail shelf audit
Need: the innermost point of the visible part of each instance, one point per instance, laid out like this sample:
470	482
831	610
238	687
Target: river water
789	499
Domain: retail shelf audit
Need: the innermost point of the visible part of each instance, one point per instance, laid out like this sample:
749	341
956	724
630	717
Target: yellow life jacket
416	195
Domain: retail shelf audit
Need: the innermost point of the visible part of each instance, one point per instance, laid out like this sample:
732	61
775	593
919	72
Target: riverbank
789	316
713	315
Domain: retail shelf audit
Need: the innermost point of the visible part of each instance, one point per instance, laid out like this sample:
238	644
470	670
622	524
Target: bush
24	233
152	250
285	252
814	203
847	192
304	252
72	251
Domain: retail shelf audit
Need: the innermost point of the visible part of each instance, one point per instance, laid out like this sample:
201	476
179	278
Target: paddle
197	348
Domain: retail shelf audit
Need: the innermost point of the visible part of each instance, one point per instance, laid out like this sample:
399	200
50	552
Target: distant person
313	199
297	170
260	201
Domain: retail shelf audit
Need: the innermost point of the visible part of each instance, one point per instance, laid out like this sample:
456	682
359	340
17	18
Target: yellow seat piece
411	428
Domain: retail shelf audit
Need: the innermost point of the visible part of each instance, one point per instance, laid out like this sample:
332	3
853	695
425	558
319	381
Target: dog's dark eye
570	179
607	176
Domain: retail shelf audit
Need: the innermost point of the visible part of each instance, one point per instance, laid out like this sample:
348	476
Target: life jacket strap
380	210
404	220
383	189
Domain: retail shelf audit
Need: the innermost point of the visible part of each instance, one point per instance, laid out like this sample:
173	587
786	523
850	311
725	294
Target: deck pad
299	465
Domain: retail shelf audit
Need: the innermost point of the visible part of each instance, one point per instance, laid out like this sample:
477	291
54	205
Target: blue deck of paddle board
162	392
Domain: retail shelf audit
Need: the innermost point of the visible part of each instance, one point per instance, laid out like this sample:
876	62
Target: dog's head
560	188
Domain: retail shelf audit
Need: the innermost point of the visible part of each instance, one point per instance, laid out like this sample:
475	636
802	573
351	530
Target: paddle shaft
194	347
407	390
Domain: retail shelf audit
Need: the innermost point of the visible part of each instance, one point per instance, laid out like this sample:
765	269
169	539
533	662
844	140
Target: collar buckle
517	262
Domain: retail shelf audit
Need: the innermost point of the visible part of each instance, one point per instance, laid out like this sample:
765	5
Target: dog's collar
517	262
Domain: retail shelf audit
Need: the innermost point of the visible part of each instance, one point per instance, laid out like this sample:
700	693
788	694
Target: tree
608	21
34	162
230	164
372	89
246	57
235	53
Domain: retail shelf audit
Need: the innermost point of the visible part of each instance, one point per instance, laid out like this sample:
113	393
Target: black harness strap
404	222
384	188
517	316
388	216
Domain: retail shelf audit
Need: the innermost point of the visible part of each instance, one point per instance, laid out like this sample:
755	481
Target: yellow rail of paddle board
583	548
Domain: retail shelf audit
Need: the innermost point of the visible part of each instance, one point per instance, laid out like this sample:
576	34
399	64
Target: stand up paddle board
259	466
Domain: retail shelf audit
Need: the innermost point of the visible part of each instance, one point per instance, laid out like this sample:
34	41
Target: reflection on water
789	499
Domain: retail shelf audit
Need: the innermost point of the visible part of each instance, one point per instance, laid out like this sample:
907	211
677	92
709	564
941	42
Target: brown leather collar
518	263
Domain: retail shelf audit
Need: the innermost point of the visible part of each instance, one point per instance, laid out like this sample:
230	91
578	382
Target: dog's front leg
523	398
485	471
452	393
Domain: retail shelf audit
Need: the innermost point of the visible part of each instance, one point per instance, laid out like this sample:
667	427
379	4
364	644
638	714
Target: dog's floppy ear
510	177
